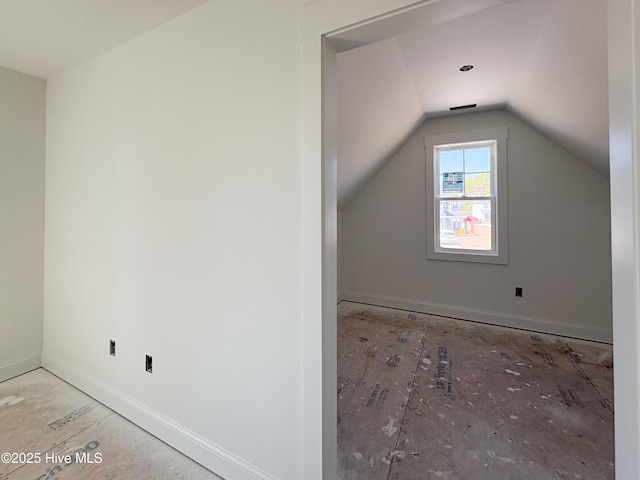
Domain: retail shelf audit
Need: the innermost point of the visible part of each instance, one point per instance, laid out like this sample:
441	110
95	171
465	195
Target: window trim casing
499	176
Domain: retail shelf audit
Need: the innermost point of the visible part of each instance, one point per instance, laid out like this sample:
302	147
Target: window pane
477	159
451	168
465	225
477	185
450	161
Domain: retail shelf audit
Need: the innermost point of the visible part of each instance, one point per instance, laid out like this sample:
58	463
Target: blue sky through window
451	161
468	160
477	159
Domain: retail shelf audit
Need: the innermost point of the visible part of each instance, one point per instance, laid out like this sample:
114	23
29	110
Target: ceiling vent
463	107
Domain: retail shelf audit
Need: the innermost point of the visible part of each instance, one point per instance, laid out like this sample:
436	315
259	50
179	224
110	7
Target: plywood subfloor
64	434
424	397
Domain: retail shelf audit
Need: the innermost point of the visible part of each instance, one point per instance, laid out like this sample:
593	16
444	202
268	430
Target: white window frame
499	251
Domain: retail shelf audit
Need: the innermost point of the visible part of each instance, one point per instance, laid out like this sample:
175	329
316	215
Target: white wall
22	139
173	225
624	139
559	239
339	255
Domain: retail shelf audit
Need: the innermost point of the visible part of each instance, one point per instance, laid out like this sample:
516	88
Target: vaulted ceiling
543	60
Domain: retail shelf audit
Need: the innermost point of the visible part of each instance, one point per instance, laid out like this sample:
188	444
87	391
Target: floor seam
406	407
574	357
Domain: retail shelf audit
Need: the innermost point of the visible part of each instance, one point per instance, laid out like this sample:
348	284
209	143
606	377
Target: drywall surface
559	239
624	143
173	226
22	144
339	254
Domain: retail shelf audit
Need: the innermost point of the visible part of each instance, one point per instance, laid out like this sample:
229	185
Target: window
466	196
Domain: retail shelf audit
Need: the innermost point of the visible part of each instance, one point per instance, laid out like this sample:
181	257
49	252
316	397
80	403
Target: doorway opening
371	32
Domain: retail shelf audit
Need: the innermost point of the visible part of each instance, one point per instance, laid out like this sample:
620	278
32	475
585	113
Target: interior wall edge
209	455
552	327
18	366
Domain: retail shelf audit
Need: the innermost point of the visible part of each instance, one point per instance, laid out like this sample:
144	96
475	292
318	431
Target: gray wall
22	139
559	240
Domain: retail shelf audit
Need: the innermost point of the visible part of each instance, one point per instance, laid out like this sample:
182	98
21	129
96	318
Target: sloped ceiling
44	37
544	60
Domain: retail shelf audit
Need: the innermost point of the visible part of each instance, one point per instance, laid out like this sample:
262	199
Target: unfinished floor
424	397
56	432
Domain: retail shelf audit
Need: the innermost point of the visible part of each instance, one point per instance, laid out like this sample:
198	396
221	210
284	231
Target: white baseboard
211	456
19	366
552	327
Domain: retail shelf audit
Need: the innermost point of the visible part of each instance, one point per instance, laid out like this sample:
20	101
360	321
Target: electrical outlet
518	291
112	348
148	363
